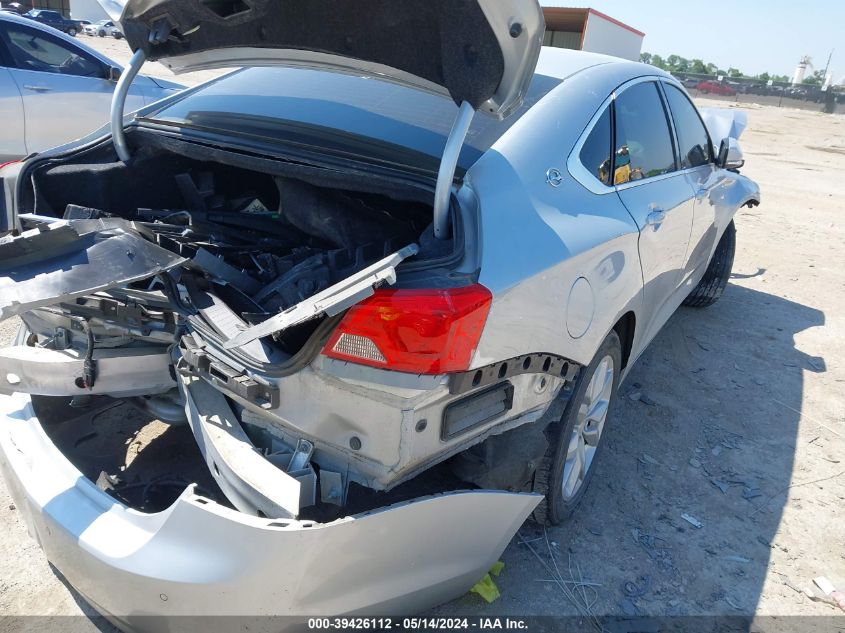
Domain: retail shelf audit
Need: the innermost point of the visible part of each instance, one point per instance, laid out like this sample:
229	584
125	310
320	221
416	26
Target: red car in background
716	88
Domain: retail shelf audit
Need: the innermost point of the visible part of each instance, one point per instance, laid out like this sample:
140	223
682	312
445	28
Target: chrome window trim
587	179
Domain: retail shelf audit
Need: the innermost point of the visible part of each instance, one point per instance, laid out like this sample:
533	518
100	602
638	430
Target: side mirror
114	73
730	154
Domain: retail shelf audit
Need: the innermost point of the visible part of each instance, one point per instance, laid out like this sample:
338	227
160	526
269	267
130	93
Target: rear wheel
715	279
72	32
575	441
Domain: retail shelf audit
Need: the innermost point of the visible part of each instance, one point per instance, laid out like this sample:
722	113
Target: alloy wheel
589	424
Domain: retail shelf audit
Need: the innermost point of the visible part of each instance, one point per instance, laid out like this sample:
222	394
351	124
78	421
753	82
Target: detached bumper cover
199	558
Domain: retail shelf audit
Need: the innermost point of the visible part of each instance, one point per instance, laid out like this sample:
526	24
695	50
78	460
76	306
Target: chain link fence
752	90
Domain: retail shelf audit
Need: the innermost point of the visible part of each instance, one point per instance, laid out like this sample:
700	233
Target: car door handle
655	218
38	88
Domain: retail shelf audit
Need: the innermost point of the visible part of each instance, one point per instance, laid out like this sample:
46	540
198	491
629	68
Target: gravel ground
734	416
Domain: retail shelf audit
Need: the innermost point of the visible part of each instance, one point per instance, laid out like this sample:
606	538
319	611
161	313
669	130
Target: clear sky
753	35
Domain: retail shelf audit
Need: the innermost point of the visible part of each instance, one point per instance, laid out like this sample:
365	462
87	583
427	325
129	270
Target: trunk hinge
158	35
448	164
118	104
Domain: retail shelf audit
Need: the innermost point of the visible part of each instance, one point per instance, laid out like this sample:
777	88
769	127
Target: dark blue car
56	20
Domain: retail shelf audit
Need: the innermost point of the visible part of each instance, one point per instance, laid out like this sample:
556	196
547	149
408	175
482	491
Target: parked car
394	327
115	32
689	82
101	28
54	89
55	20
716	88
12	7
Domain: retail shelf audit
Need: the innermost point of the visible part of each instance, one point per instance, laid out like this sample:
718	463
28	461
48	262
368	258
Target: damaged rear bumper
200	558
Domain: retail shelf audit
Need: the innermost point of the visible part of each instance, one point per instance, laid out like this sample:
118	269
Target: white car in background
101	28
54	90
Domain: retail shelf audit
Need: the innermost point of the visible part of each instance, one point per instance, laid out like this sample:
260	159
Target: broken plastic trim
249	481
218	561
448	164
549	364
330	301
82	260
137	371
118	104
197	362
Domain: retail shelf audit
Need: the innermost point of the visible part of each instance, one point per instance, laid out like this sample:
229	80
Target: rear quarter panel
538	240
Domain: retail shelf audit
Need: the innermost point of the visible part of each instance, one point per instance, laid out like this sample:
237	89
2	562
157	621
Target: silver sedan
54	89
382	288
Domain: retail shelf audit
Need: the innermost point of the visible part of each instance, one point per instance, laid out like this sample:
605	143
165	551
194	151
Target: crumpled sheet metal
245	476
92	262
137	371
724	123
212	561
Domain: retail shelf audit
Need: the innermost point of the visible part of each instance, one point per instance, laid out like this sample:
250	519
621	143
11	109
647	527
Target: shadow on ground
705	426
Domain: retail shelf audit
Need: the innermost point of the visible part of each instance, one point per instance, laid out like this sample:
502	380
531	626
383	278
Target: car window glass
643	142
596	152
30	50
5	60
693	139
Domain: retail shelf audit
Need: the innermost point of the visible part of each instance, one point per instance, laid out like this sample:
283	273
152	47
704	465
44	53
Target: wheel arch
625	329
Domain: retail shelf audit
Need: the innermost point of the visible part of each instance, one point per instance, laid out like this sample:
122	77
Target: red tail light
430	331
11	162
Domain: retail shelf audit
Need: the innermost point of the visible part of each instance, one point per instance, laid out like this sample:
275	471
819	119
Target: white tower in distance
801	70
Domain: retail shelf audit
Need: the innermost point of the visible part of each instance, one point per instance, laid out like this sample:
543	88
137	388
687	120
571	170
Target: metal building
87	10
593	31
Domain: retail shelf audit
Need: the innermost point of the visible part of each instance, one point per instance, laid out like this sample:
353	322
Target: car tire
117	36
72	32
715	279
101	33
576	439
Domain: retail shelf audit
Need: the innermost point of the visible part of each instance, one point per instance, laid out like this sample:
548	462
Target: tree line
678	64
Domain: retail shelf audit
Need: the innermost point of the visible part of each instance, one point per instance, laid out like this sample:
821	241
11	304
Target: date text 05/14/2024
417	624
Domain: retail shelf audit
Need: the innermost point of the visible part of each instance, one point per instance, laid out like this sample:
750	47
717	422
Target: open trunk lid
482	52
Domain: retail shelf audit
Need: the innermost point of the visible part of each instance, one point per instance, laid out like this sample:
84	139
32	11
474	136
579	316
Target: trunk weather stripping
330	301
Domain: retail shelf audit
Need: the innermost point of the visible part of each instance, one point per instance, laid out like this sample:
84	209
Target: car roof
561	63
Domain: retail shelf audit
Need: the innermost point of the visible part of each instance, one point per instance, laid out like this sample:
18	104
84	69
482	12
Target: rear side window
597	150
643	142
693	139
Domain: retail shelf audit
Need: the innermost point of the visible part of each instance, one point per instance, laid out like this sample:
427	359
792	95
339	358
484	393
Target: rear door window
693	140
644	146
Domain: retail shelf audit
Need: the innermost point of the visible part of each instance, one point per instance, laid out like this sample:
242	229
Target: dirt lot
735	416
